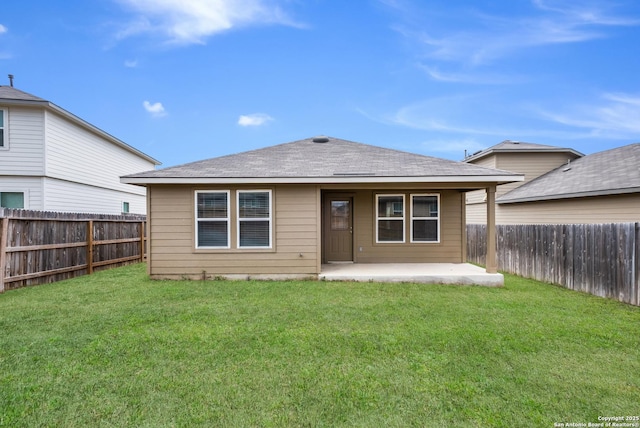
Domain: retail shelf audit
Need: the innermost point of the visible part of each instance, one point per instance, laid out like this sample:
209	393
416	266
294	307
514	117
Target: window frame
436	219
4	129
25	198
403	218
268	219
226	219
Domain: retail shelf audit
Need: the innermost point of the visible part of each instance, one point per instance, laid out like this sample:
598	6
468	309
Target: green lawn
116	349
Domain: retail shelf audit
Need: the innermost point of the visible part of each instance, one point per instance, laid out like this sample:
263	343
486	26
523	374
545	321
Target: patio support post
492	266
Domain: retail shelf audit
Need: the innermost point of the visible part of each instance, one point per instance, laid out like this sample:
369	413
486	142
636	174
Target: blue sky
184	80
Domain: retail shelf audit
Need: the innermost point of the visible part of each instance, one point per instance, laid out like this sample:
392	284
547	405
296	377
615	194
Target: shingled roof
508	146
610	172
323	160
11	93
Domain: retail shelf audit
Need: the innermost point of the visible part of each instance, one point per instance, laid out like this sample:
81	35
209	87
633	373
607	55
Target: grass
116	349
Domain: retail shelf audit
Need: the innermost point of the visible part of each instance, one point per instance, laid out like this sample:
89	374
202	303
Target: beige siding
172	231
477	213
476	199
602	209
487	162
297	236
449	250
532	165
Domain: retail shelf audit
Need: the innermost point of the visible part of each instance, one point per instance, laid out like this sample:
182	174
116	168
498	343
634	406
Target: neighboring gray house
603	187
52	160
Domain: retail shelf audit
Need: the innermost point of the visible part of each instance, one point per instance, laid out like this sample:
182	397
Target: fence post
90	247
142	241
492	258
3	251
636	264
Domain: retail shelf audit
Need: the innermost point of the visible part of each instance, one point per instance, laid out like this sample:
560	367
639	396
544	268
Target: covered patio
428	273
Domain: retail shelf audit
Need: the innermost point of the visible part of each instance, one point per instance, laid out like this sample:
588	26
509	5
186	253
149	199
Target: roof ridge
520	147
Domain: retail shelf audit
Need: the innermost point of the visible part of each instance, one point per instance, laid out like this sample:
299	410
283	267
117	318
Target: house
602	187
532	160
52	160
285	211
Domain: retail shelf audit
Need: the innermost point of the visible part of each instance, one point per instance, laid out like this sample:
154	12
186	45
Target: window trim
4	112
217	219
436	219
25	198
269	219
403	218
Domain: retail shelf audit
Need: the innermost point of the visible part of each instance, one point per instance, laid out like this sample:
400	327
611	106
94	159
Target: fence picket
40	247
601	259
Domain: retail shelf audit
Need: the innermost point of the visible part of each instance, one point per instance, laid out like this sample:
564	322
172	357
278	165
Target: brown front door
338	229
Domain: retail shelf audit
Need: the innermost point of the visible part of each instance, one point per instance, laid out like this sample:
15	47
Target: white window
254	218
390	219
125	207
212	219
4	143
425	218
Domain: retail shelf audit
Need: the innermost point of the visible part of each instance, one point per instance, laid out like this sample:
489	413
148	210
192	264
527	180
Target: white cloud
4	55
131	63
487	38
255	119
614	116
156	109
611	116
586	12
192	21
476	116
437	74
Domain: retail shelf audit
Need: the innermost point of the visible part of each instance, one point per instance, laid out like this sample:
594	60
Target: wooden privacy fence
42	247
601	259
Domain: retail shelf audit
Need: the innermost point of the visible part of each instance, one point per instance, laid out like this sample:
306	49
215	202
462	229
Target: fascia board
497	179
570	195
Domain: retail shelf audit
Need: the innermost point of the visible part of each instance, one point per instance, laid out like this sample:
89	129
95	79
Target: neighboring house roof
610	172
509	146
11	93
12	96
323	160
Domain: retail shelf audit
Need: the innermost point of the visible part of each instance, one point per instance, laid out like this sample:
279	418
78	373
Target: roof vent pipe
320	139
11	80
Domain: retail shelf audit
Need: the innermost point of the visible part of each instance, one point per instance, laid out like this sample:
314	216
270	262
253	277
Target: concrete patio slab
430	273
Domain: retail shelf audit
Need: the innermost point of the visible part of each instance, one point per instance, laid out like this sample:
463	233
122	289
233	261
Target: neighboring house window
425	218
125	207
12	200
3	128
390	218
254	219
212	219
